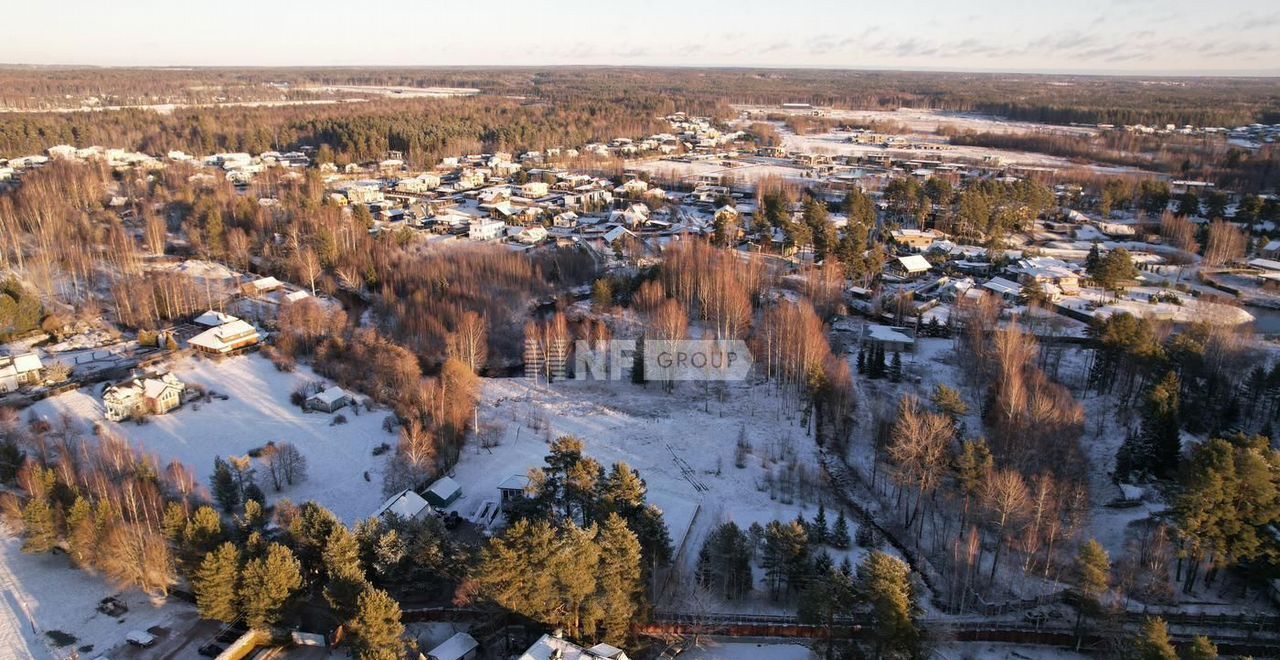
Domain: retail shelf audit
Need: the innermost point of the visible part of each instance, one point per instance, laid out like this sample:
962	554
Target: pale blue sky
1150	36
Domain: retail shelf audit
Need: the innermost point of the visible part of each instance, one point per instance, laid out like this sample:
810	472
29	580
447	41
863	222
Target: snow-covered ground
682	444
994	651
709	649
40	594
343	474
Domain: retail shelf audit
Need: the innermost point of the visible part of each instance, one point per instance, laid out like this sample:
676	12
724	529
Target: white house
225	338
329	400
142	396
406	505
19	370
911	265
486	230
534	189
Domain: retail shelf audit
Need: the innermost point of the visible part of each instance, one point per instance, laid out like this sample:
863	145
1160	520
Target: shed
459	647
329	400
512	489
406	505
443	492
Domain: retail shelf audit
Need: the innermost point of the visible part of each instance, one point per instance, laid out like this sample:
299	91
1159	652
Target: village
201	388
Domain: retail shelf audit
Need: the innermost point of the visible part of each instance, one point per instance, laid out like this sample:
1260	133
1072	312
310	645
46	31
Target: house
512	489
329	400
891	339
443	492
1271	250
142	396
263	285
421	184
554	647
915	239
459	647
223	339
565	220
19	370
364	194
528	235
1005	289
405	505
1048	271
486	230
534	189
912	265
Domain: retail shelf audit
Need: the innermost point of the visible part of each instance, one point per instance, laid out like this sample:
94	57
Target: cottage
915	239
443	492
264	285
231	336
1271	250
19	370
891	339
1005	289
329	400
534	189
405	505
512	489
912	265
142	396
212	319
486	230
459	647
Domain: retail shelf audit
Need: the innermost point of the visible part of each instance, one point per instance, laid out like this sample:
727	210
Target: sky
1235	37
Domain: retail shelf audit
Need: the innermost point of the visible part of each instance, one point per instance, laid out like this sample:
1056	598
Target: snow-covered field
681	443
994	651
923	120
44	593
343	474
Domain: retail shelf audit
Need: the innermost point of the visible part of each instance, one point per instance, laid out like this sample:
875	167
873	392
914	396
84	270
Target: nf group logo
658	359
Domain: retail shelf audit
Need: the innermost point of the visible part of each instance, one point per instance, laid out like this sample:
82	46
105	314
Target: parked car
140	638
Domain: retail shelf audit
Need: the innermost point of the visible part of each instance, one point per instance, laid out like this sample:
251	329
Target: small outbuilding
406	505
459	647
443	492
331	399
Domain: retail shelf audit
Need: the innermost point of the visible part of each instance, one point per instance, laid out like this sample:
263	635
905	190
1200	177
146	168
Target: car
210	650
140	638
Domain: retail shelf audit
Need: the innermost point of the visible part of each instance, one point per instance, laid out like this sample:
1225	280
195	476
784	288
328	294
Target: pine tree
895	367
377	630
82	533
1200	648
1093	574
884	583
862	361
1161	426
223	484
202	533
216	584
620	579
818	532
840	533
346	577
39	527
1153	642
267	585
724	562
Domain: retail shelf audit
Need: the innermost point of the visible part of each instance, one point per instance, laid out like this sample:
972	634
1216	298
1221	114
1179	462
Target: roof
22	363
914	263
406	504
212	319
453	648
444	488
515	482
329	396
222	337
267	284
547	646
1003	287
889	334
295	296
1265	264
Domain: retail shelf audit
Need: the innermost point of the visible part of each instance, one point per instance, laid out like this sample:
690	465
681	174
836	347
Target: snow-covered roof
444	488
547	647
1003	287
213	319
406	504
888	334
454	648
515	482
329	396
1265	264
295	296
22	363
914	263
224	336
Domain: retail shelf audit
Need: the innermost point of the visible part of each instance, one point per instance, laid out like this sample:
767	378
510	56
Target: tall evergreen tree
377	629
637	362
39	526
217	584
346	579
223	484
619	578
267	584
884	583
1093	578
840	533
1153	642
1200	648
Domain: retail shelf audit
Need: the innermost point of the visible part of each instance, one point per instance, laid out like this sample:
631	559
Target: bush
340	419
381	449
